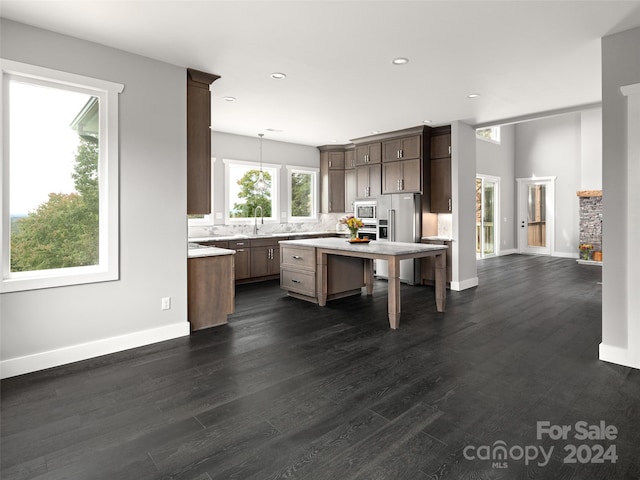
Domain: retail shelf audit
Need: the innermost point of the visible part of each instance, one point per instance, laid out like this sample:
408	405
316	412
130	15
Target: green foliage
301	194
251	198
64	231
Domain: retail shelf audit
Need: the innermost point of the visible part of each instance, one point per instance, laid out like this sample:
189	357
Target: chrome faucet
255	219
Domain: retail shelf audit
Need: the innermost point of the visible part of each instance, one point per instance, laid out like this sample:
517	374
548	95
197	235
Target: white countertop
438	237
374	247
208	252
224	237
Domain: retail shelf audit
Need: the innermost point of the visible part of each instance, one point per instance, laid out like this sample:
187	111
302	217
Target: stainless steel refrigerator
399	221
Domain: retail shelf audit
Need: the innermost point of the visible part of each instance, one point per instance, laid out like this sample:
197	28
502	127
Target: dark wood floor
292	390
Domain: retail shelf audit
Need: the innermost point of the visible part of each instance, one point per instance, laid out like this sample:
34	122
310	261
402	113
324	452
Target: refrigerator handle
391	215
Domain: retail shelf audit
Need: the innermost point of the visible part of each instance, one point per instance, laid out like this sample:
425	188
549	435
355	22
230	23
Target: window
242	199
491	134
302	194
202	220
60	178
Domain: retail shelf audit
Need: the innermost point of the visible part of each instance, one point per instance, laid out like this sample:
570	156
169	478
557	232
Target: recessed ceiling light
473	95
400	61
278	75
375	131
426	121
274	130
230	99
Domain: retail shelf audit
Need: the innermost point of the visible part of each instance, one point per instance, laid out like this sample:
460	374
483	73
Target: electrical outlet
166	303
218	215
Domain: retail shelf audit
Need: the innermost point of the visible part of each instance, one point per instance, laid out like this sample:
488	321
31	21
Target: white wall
45	327
620	308
498	160
551	147
591	149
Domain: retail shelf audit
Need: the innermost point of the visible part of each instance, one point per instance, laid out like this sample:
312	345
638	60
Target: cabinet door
362	181
375	180
198	150
336	191
441	185
411	180
350	189
274	266
242	262
410	147
336	160
361	154
349	159
441	146
367	154
260	261
375	153
391	150
391	176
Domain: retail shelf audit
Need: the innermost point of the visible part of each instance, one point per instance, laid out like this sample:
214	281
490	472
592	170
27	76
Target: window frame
493	138
228	163
107	92
314	193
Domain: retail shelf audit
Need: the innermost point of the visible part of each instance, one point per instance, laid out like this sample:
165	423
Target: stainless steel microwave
365	211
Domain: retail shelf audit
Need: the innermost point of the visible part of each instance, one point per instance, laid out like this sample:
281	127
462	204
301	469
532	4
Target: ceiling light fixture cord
261	185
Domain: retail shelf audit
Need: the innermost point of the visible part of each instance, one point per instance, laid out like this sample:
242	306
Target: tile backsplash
326	222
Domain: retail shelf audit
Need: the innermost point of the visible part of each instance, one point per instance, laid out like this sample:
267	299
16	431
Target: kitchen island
304	262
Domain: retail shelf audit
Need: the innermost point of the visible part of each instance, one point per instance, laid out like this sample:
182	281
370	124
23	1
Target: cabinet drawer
299	257
299	281
240	243
216	243
266	242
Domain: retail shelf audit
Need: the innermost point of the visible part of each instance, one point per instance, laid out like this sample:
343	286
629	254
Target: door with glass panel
535	212
487	232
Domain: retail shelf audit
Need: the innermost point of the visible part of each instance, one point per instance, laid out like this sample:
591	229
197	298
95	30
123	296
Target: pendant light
261	185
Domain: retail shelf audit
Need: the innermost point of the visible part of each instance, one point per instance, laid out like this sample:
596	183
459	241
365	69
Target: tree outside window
243	198
302	194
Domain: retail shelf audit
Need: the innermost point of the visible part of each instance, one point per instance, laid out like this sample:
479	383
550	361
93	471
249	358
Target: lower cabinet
243	258
211	290
428	264
265	257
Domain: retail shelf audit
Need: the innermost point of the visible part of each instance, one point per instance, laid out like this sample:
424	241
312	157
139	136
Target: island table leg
321	277
368	275
394	292
441	281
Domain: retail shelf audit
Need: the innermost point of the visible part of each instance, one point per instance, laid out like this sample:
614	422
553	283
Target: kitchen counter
239	236
315	260
196	251
439	238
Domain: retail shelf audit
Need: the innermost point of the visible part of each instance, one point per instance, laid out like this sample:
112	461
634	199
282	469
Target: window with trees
491	134
60	171
242	197
302	194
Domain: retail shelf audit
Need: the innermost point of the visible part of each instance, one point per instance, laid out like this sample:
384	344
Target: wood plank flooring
292	390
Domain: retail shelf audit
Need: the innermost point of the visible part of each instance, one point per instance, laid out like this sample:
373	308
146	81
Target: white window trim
108	266
314	194
274	185
496	140
206	220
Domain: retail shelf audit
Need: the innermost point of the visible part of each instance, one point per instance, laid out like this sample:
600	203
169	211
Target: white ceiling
522	57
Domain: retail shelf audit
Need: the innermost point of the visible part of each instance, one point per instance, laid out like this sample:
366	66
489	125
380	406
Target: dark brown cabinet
368	181
368	153
242	258
332	183
265	257
211	292
440	166
402	148
403	176
199	141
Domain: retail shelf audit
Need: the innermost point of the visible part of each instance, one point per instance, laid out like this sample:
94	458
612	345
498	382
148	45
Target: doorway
487	216
536	200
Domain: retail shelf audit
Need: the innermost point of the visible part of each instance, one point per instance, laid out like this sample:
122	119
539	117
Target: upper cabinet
405	148
332	179
368	153
199	141
440	166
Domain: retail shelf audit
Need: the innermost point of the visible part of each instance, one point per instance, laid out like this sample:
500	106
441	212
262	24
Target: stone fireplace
591	218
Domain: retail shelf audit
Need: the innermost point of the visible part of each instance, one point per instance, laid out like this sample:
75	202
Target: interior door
535	215
487	214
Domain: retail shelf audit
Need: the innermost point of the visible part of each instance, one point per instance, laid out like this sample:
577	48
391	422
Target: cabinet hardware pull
240	250
402	184
240	244
329	163
449	204
297	257
449	149
293	280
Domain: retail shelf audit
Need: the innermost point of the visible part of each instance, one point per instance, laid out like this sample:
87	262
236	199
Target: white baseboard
511	251
565	254
83	351
464	284
619	356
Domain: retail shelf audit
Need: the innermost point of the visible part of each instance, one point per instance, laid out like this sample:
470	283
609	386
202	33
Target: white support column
630	356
